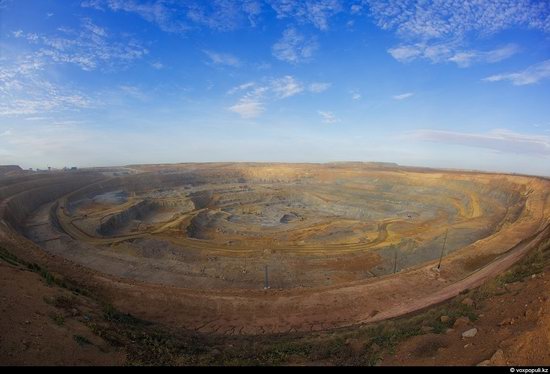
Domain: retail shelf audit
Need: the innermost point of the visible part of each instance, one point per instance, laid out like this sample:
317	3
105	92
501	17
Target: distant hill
10	169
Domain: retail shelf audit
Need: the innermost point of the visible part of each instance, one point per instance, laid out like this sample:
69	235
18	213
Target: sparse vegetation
533	264
58	319
82	340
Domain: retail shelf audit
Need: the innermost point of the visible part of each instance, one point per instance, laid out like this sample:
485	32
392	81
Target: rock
484	363
445	319
426	329
215	352
448	331
507	321
498	358
289	217
469	333
468	302
461	322
507	343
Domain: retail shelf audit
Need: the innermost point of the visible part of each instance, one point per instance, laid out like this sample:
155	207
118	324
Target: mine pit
337	235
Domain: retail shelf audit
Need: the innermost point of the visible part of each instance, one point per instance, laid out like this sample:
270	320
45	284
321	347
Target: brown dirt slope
513	328
43	324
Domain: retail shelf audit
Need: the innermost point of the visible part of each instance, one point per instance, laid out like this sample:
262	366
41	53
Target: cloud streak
23	91
90	48
455	19
531	75
439	31
286	86
451	52
328	117
403	96
222	59
315	12
501	140
182	16
294	47
319	87
255	97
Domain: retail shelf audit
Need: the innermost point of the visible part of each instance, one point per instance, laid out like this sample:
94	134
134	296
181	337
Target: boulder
461	322
498	358
469	333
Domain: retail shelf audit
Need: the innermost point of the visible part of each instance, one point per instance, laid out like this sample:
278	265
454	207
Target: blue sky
458	84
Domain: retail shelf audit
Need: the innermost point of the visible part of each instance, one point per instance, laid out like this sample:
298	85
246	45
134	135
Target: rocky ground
76	299
45	324
504	322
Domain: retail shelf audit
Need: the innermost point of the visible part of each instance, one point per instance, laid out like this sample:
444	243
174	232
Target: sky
449	84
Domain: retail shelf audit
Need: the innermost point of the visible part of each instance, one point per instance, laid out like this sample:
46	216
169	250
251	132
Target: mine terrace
245	249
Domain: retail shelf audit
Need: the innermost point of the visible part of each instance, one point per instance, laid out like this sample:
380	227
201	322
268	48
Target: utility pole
442	249
266	283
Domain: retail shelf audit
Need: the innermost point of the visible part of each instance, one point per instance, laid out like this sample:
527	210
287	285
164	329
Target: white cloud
355	95
467	58
251	104
356	8
293	47
25	87
440	31
454	19
316	12
89	26
532	74
248	108
241	87
222	15
133	92
255	97
90	48
406	53
499	139
286	86
222	59
318	87
181	16
23	91
157	65
403	96
451	52
163	14
328	117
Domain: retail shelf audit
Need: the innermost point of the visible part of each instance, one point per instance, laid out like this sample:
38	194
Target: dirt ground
45	325
513	329
68	302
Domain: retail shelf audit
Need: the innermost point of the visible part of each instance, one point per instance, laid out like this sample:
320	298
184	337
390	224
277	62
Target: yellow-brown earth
344	243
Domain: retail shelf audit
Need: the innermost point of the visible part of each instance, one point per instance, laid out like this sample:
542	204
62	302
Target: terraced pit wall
515	211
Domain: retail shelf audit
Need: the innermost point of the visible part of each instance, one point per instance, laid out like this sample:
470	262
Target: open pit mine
247	249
